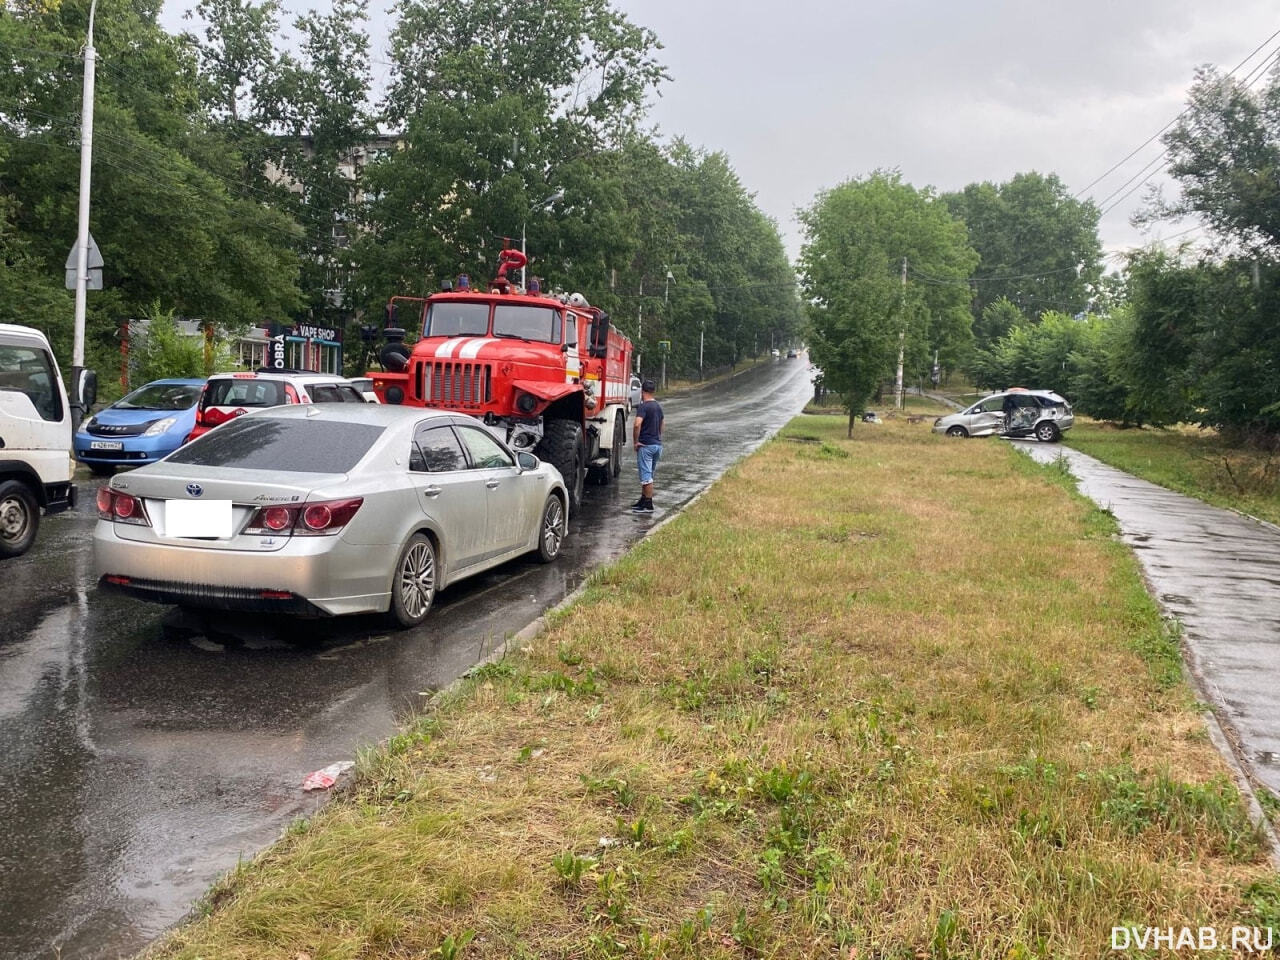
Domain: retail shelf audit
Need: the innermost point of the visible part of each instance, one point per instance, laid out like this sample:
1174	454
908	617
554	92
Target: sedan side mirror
527	461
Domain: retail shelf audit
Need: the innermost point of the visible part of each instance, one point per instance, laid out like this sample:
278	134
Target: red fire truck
549	374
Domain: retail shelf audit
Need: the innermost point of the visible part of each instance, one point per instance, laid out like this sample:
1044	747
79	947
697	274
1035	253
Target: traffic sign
93	265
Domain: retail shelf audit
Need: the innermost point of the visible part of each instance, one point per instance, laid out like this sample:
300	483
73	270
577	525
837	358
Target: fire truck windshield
454	319
527	322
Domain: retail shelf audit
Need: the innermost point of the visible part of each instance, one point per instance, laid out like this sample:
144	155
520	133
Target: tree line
1005	283
218	191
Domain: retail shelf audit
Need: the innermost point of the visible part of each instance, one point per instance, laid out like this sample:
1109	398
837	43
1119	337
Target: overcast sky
804	94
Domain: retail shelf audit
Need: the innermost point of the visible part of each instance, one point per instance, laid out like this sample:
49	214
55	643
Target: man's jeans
647	459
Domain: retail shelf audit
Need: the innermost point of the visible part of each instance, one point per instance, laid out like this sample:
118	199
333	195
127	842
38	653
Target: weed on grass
905	700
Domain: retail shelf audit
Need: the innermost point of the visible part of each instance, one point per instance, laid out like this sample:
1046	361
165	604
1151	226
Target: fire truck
551	375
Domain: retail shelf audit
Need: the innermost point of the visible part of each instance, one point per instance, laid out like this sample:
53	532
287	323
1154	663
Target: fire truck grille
452	384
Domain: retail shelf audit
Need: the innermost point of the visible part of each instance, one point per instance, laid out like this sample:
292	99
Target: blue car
139	428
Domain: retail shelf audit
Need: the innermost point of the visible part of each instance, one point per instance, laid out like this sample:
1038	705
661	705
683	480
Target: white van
35	438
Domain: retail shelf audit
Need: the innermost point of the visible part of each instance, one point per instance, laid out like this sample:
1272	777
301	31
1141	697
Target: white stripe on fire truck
473	348
446	349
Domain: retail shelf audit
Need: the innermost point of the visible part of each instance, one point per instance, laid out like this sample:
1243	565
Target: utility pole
82	232
702	340
640	326
902	338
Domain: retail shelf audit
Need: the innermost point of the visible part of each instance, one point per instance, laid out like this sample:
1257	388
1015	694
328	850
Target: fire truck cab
550	375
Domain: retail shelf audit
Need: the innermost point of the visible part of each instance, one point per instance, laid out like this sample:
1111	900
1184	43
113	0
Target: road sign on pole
93	267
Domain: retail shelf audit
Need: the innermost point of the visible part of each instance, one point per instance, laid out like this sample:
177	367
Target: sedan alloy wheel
414	588
552	530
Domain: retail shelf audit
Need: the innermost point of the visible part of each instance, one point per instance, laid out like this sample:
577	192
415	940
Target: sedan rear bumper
209	596
306	576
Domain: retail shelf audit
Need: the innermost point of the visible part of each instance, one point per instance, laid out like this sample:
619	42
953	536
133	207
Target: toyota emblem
194	489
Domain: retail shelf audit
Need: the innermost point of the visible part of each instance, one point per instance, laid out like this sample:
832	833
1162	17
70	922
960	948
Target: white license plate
198	518
105	445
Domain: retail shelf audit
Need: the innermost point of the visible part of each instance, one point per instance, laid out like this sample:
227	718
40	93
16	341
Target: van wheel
414	585
19	518
1048	432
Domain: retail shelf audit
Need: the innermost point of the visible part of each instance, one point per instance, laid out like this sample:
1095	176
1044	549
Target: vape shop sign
309	333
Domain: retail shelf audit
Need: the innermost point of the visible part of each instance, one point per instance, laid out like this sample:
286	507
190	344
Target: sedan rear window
244	392
286	446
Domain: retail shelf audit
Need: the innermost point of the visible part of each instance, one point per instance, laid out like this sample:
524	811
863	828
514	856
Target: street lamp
554	198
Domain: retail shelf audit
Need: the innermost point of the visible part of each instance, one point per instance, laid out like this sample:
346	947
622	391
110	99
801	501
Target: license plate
198	518
105	445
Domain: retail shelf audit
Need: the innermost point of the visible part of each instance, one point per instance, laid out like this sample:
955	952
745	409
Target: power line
1021	276
1183	113
1250	79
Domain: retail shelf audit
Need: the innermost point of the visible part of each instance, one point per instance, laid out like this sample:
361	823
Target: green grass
849	704
1189	460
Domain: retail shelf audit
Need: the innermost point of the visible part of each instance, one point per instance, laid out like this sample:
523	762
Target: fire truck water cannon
546	374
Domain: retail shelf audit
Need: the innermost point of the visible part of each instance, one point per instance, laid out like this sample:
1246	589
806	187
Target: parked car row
151	422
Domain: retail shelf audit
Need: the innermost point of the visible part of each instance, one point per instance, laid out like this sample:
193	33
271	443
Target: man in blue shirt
646	435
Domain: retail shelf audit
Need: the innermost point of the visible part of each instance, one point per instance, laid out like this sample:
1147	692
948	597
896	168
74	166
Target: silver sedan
326	509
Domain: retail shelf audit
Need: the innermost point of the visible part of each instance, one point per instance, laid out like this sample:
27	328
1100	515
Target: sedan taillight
321	519
121	508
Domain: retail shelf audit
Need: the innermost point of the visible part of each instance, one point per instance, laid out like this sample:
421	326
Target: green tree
162	351
857	236
998	318
165	216
1097	386
502	106
323	148
1039	246
1224	152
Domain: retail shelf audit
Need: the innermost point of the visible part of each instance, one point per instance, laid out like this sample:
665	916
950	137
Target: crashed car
1041	414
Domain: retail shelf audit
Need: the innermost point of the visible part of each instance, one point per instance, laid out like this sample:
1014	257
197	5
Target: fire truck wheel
561	447
619	443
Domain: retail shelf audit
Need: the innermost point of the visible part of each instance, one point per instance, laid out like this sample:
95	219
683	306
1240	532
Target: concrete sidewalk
1218	573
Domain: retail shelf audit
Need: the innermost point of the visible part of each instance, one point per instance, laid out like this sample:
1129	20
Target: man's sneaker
637	505
644	505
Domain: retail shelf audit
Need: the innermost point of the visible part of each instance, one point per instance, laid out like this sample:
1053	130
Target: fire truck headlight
395	395
526	402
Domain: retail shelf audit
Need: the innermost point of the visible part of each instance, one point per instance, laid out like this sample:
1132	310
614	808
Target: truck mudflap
59	497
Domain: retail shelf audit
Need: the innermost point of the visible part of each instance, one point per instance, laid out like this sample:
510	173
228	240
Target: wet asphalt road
1218	573
139	761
